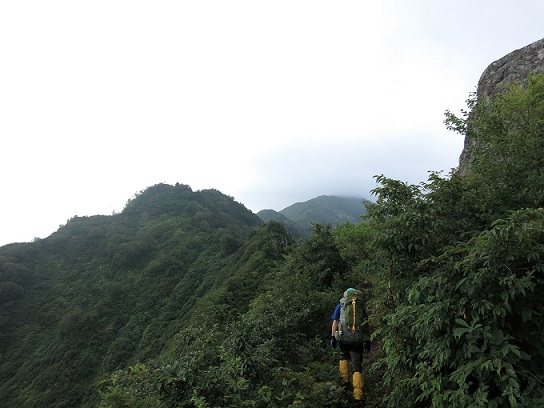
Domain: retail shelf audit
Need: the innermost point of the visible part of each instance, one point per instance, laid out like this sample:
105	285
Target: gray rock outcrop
513	67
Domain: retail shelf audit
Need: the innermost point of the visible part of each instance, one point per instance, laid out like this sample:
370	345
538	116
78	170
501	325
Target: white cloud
100	100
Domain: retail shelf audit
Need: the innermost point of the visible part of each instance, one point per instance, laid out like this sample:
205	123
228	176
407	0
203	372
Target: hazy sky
271	102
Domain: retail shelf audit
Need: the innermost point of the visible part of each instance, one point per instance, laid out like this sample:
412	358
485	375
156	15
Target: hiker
350	331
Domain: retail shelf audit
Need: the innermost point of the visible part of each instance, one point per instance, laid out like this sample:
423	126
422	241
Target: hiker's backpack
352	326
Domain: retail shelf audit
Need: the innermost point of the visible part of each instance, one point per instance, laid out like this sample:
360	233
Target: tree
466	325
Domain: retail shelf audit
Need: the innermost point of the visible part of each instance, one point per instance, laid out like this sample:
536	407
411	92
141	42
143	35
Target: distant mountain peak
324	209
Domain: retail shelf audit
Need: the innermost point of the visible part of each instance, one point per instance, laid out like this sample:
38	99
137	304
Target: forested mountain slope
294	228
325	209
106	291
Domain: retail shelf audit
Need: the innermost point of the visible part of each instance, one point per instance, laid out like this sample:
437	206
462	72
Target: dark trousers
353	353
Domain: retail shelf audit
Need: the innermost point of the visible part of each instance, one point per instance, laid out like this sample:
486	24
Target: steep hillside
106	291
296	230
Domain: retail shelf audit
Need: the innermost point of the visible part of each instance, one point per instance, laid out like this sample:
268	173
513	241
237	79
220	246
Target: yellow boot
343	366
358	383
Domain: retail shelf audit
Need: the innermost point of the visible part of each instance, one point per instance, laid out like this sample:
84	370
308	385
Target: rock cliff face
515	66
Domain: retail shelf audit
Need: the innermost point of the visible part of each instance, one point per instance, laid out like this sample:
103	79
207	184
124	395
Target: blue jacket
336	313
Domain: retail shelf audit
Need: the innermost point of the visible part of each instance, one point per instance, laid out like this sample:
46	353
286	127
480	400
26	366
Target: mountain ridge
113	287
324	209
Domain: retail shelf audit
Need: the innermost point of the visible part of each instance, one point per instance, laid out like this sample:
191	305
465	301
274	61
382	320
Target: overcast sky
270	102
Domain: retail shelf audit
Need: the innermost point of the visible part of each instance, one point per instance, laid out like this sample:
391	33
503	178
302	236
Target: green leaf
458	332
461	322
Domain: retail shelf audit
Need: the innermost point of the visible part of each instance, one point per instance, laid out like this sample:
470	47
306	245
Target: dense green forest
187	299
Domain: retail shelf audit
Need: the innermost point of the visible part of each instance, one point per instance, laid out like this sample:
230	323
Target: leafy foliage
270	355
464	326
